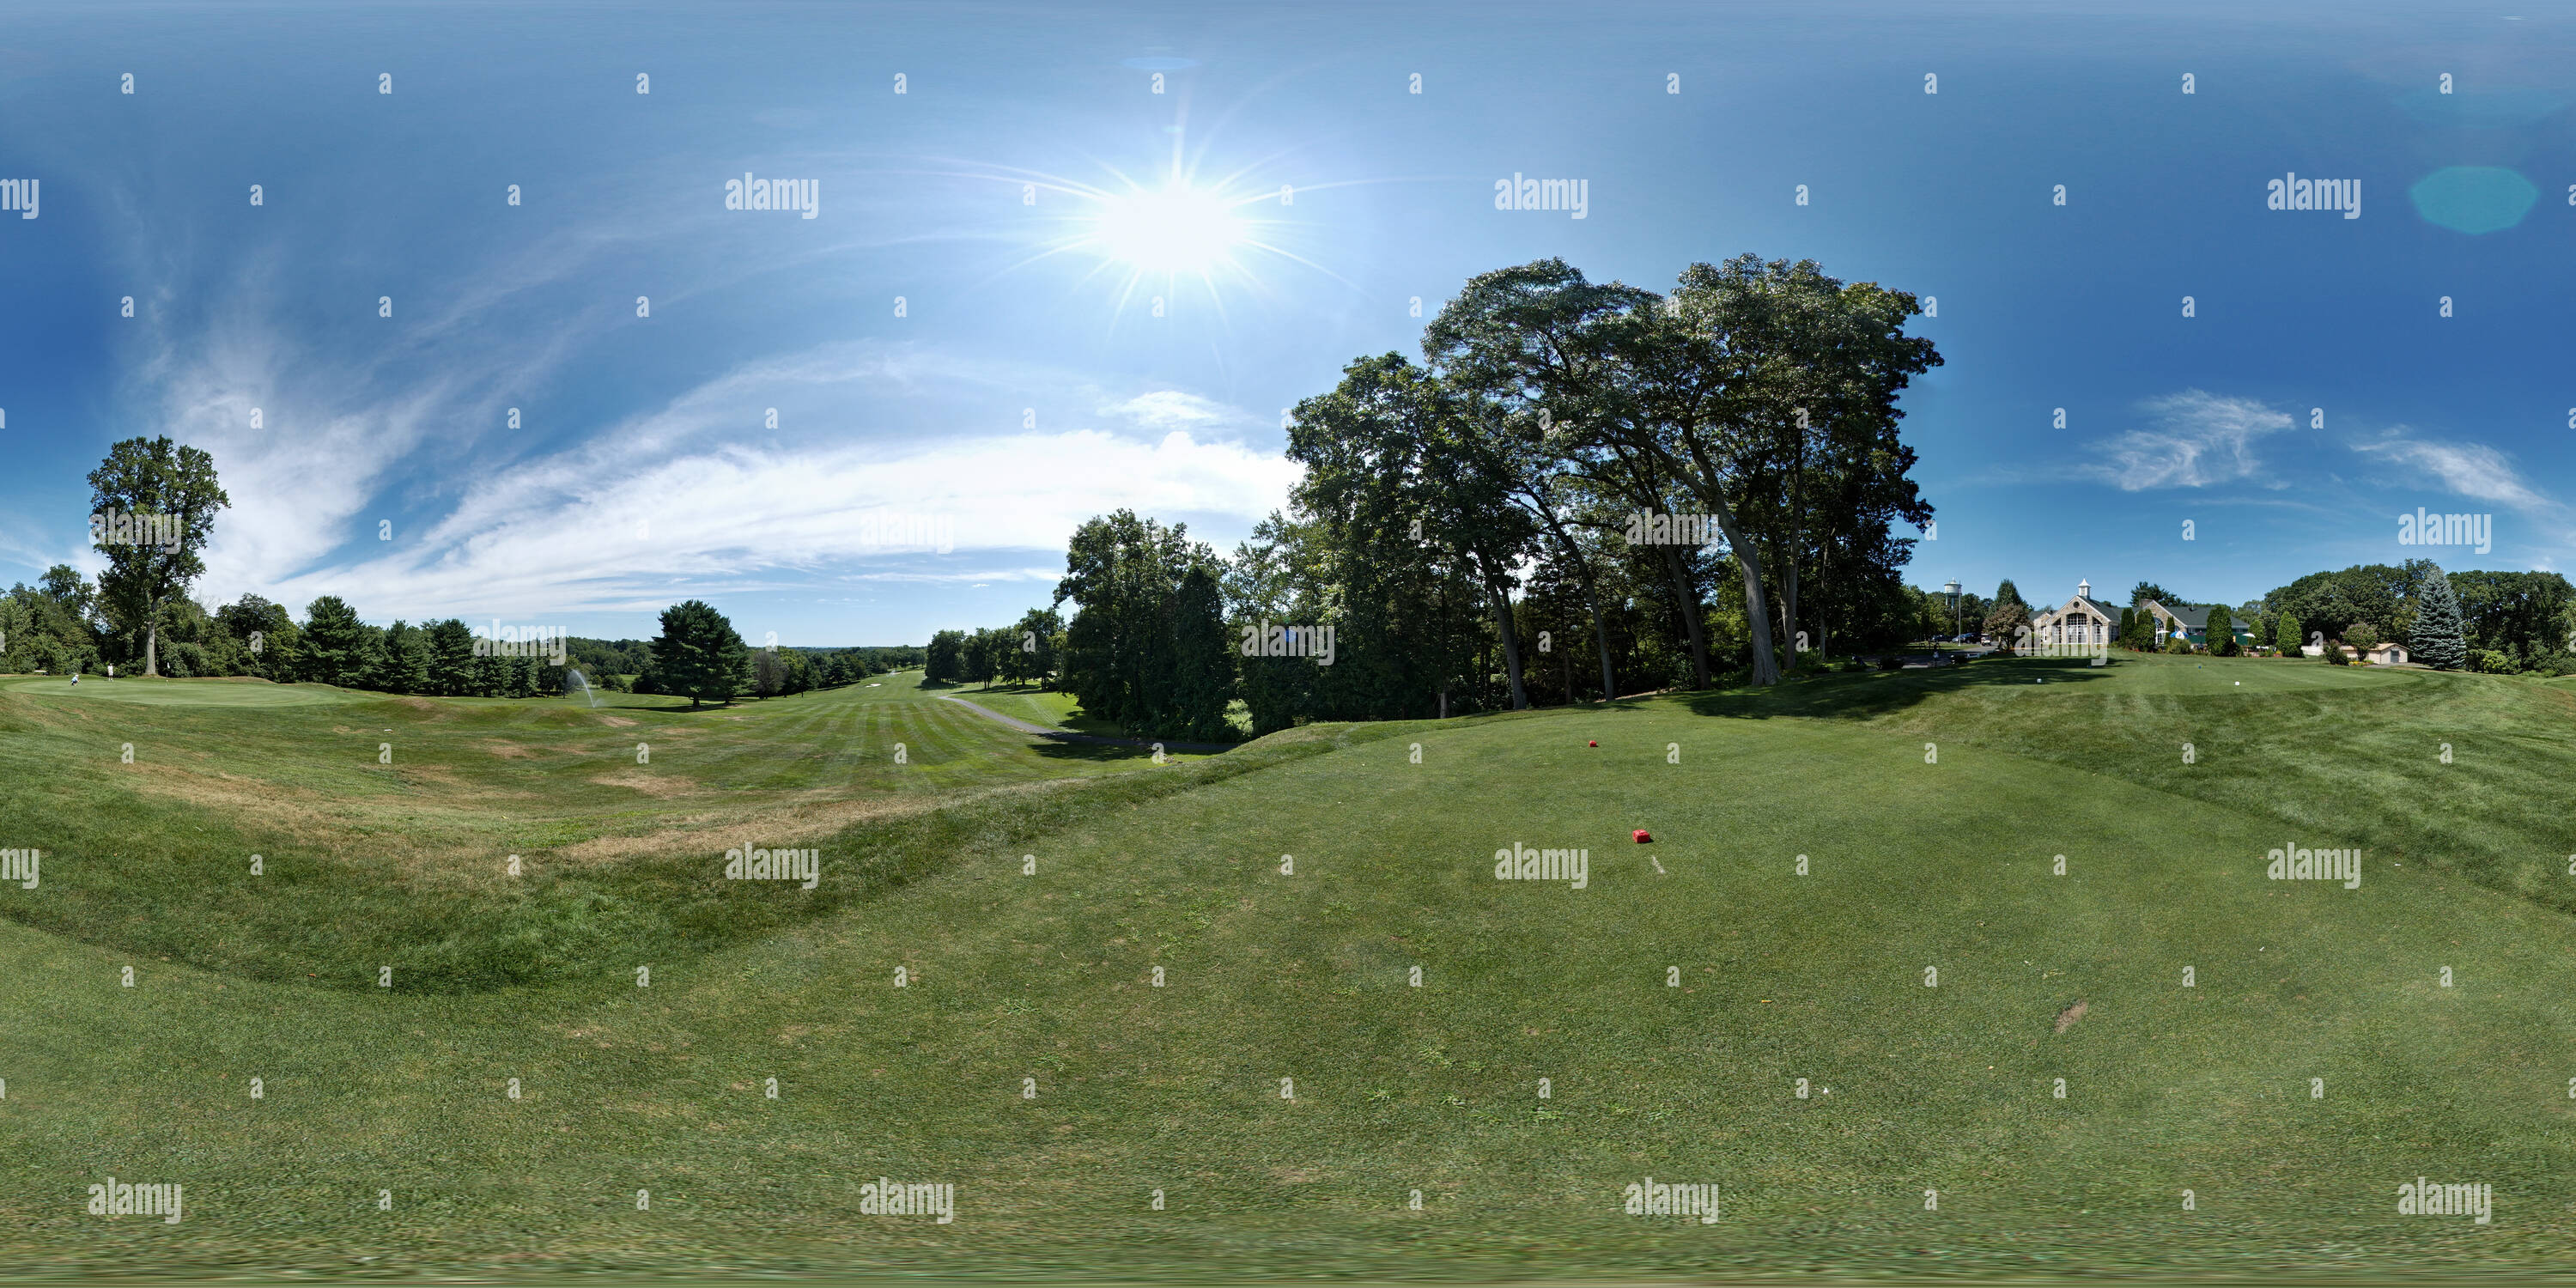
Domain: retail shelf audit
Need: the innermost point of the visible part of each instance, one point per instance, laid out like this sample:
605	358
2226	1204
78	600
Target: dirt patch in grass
451	784
2066	1019
780	823
305	815
657	786
507	750
417	825
618	721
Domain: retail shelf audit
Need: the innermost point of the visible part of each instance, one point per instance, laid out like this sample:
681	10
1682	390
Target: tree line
1016	654
2504	623
153	505
1581	490
58	627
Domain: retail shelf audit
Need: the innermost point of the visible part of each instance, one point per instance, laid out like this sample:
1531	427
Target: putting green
185	693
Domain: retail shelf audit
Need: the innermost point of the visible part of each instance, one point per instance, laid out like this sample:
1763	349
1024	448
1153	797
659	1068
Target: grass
1062	711
1269	975
190	693
385	827
1055	710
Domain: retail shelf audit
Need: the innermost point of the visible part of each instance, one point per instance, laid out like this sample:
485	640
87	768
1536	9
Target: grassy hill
1672	1004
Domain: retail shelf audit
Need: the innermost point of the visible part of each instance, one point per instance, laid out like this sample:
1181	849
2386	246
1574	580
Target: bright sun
1177	231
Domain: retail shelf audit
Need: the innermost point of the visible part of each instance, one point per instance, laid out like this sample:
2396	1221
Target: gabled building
2191	621
2087	622
2081	622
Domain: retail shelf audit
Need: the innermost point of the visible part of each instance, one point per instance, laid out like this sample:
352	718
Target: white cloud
2466	469
1173	409
2198	439
882	452
559	540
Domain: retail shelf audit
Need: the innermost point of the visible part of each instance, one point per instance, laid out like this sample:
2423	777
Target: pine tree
335	643
2128	628
2436	641
451	659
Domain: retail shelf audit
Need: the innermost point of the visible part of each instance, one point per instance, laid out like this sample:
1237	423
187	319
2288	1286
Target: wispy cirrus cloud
734	518
2193	439
891	466
1171	409
2465	469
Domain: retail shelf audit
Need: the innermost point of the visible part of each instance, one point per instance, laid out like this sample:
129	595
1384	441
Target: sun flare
1175	231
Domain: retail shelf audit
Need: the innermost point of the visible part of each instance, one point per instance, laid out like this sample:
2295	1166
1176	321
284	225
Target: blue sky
1030	383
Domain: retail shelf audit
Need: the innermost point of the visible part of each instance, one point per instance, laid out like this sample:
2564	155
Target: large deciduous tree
1523	349
173	490
1395	432
699	655
1034	640
945	660
1146	645
1761	392
1816	366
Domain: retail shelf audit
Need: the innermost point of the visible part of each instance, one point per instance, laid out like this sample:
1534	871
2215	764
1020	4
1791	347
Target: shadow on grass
1102	752
683	711
1880	692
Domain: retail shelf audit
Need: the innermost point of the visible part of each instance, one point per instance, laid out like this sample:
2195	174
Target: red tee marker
1642	837
1595	743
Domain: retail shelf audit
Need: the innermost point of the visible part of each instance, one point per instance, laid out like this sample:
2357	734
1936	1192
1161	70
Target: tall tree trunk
1601	639
1789	606
1797	513
152	646
1757	614
1591	599
1511	645
1780	608
1688	595
1824	577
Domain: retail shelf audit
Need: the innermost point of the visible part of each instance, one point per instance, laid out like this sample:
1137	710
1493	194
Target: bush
2493	662
184	660
2177	644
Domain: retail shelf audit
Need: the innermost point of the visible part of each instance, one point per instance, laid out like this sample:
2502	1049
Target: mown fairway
1270	976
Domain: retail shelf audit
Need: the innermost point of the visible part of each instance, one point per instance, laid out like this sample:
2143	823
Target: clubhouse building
2081	622
2086	622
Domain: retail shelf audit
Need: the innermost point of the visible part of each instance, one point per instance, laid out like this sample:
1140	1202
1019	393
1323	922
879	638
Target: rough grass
619	829
1433	1088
